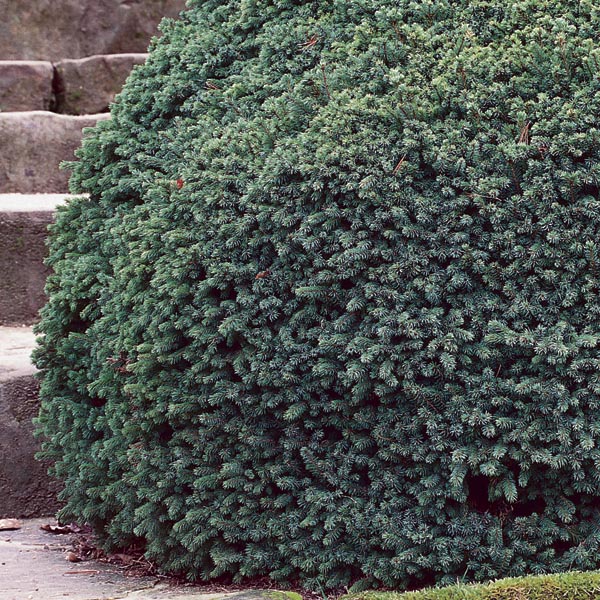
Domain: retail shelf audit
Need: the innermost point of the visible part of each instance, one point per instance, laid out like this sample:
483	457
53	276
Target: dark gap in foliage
165	432
472	209
417	583
364	478
373	400
561	546
332	434
77	323
231	345
478	497
235	377
227	293
529	507
182	365
478	487
588	189
79	326
187	490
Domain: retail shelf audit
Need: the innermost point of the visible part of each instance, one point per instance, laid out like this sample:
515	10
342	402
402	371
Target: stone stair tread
19	114
94	57
16	345
33	63
13	203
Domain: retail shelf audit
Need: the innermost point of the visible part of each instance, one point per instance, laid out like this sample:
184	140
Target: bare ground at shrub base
34	565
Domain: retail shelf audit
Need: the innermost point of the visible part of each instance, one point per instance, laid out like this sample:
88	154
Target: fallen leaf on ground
72	557
59	529
9	524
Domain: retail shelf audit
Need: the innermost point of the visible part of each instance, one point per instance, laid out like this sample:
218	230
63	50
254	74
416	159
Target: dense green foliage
565	586
331	311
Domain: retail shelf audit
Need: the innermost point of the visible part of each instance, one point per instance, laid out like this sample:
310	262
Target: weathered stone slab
55	29
25	85
88	85
24	222
25	488
32	146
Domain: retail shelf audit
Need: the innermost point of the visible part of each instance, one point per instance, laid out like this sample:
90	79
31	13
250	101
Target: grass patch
562	586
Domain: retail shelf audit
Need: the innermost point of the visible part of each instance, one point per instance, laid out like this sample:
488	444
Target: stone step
54	29
32	146
26	85
24	221
88	85
82	86
25	488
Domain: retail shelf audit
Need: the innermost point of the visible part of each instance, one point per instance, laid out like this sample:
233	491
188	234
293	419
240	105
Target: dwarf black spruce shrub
331	312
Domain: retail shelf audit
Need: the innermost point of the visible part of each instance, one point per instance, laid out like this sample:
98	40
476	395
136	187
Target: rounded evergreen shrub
331	311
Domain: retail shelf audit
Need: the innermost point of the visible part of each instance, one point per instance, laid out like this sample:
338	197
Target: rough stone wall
57	29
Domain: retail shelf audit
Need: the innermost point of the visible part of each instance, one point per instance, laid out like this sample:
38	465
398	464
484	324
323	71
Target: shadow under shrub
331	311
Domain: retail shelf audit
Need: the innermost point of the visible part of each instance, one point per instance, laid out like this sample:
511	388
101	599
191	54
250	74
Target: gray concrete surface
33	566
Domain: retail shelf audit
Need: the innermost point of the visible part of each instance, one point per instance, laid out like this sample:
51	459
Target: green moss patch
563	586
